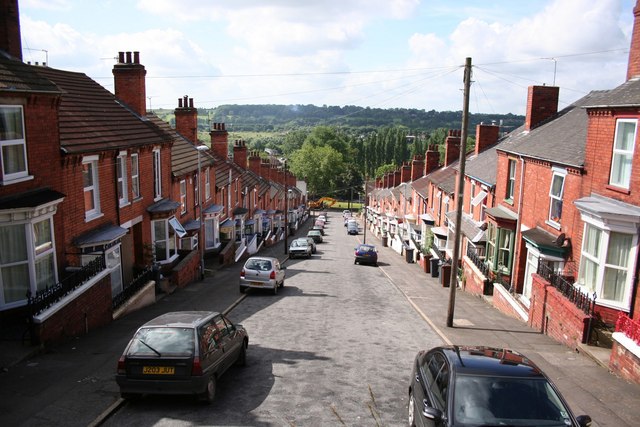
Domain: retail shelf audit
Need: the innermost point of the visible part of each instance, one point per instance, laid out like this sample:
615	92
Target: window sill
124	204
90	218
15	180
137	199
553	224
618	189
509	201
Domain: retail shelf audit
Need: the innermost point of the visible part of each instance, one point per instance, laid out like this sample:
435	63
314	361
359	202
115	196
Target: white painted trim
513	303
627	343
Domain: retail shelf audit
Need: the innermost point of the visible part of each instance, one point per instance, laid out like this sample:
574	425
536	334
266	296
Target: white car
262	273
300	248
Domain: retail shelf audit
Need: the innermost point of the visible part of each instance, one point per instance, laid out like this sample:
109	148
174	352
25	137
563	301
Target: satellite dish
559	240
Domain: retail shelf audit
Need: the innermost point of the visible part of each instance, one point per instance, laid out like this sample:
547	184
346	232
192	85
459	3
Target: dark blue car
366	254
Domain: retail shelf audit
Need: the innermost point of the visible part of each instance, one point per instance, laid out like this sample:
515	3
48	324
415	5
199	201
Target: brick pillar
10	28
129	80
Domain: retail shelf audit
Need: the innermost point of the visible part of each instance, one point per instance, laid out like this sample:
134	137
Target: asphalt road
334	347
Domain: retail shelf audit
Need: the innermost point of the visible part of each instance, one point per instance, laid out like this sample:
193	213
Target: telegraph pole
453	282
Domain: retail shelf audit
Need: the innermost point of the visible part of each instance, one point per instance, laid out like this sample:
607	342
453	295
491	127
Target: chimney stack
187	119
452	146
486	135
432	159
542	103
254	162
633	66
220	140
129	78
10	28
417	167
405	172
240	153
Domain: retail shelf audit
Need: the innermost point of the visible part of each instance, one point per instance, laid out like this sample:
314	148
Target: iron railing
136	284
582	300
485	269
629	327
439	252
48	296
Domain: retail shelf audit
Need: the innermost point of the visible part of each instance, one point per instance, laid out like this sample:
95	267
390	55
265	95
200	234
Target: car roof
181	318
314	232
492	361
260	258
364	245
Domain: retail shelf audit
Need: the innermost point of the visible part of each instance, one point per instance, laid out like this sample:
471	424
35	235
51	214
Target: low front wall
85	309
553	314
507	304
473	279
625	358
187	270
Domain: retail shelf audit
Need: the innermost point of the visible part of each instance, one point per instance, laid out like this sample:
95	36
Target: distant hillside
278	118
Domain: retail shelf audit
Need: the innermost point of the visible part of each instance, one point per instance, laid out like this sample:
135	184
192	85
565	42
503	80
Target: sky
370	53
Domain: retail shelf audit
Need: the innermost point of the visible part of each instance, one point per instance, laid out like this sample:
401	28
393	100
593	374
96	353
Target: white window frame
157	175
121	172
622	158
511	179
207	184
556	220
34	253
135	176
183	197
171	231
93	188
6	141
599	260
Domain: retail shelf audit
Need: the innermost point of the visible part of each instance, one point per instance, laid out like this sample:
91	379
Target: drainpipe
516	247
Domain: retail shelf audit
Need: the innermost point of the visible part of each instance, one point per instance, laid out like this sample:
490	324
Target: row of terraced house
550	216
100	200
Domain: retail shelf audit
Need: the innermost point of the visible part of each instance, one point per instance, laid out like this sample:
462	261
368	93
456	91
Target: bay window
164	233
499	248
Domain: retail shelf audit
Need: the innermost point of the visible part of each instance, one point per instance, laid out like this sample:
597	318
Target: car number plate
256	283
158	370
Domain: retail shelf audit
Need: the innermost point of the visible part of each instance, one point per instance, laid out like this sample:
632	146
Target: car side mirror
432	413
584	420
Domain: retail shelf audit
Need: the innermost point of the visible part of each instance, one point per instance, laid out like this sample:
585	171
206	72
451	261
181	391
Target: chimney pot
179	102
121	57
128	57
136	57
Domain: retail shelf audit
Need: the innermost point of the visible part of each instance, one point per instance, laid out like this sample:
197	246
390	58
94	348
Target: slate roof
625	95
445	178
483	167
421	186
561	139
184	155
92	120
18	77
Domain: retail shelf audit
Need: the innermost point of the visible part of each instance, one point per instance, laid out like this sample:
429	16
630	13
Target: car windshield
366	249
299	243
482	400
258	264
159	342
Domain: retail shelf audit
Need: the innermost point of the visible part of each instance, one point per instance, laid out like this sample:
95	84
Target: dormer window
12	144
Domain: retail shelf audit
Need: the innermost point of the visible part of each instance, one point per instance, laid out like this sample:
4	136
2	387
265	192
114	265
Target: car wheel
355	261
242	357
412	411
275	289
210	392
282	283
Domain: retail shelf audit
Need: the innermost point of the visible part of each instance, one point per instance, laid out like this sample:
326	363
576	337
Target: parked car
300	248
322	218
474	386
262	273
366	254
312	243
352	228
315	235
319	223
346	213
183	352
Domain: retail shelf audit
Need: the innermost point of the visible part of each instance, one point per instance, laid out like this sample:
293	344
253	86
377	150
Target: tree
319	166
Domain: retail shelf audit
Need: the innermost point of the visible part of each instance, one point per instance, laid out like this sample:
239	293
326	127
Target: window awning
100	236
228	224
177	227
427	219
479	198
440	231
545	242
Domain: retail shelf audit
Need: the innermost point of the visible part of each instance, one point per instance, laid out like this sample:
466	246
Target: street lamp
200	148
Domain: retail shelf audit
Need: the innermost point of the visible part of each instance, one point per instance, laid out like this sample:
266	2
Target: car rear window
166	341
258	264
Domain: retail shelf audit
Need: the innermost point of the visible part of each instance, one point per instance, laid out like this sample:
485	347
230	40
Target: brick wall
187	270
550	312
474	280
624	363
90	310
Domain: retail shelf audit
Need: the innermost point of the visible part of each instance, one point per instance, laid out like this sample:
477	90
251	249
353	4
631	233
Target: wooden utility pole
453	282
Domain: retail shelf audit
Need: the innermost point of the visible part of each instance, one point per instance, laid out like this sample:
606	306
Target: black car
484	386
182	352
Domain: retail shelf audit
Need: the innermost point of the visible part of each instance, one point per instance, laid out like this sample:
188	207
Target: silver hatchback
262	273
